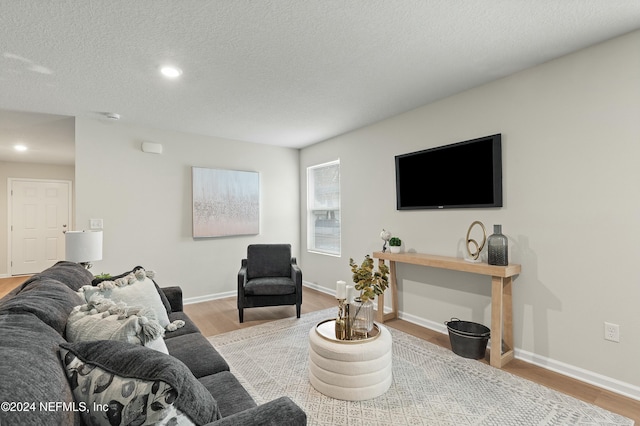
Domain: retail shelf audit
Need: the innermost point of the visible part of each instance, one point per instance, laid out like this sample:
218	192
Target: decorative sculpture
386	236
475	254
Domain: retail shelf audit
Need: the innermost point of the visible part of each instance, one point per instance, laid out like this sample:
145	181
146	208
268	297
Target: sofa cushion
49	300
30	372
173	295
72	274
135	289
163	297
137	385
227	390
103	319
197	353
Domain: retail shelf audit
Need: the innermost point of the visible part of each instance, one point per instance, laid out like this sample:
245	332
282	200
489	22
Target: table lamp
83	247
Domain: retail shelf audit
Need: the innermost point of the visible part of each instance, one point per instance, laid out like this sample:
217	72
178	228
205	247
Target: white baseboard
590	377
596	379
208	297
320	288
431	325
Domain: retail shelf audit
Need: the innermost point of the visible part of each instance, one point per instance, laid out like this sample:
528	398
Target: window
323	208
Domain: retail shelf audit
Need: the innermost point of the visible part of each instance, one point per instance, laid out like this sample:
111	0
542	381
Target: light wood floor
220	316
8	284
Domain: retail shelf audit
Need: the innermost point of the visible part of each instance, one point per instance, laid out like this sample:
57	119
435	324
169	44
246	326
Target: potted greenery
394	244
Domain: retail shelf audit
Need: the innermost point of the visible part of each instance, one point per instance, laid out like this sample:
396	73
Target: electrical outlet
611	332
95	223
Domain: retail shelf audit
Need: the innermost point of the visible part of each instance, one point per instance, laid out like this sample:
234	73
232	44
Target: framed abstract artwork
225	202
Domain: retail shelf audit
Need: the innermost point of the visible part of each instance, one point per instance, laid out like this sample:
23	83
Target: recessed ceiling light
171	72
20	147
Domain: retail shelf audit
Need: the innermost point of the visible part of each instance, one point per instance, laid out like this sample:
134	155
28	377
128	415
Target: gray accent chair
269	276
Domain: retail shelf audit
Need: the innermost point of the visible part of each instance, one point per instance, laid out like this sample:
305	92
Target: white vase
394	249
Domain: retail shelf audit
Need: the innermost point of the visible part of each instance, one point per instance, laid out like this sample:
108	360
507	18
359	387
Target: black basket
468	339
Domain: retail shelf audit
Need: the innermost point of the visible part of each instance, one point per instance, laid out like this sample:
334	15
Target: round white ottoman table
351	370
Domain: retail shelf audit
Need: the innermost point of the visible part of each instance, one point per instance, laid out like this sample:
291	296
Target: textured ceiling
281	72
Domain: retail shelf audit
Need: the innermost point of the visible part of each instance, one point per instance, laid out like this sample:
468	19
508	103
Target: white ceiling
282	72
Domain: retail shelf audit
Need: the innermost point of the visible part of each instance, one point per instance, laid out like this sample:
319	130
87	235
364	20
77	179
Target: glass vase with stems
370	283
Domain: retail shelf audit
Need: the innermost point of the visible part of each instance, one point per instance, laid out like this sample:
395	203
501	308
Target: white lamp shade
83	246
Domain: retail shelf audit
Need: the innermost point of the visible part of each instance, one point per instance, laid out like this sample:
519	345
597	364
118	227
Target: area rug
431	385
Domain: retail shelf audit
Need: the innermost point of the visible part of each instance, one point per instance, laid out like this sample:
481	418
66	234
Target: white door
40	212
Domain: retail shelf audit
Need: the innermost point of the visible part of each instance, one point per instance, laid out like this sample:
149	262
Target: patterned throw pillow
114	400
116	383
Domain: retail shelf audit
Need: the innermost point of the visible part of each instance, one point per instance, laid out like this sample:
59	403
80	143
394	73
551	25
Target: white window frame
332	213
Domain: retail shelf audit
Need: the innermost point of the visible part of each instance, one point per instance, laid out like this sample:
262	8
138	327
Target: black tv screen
461	175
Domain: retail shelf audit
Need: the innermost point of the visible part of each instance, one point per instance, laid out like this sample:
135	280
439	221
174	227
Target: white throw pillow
158	345
136	289
103	319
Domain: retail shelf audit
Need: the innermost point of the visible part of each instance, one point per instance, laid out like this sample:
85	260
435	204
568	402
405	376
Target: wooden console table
501	305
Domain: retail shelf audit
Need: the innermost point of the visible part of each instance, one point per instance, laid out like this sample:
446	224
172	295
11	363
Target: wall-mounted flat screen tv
461	175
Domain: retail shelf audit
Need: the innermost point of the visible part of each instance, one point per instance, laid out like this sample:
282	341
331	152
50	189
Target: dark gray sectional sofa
36	380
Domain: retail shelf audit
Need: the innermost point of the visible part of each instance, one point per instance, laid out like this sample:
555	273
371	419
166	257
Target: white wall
570	134
145	201
22	170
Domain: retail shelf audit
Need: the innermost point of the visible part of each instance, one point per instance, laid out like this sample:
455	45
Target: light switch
95	223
